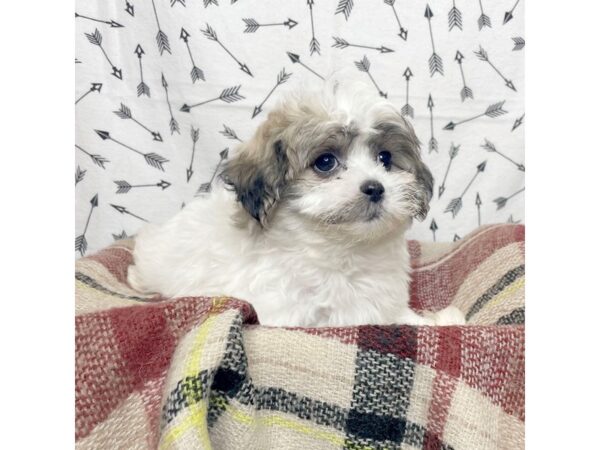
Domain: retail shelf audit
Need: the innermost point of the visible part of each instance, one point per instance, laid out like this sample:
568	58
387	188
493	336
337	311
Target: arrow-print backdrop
165	88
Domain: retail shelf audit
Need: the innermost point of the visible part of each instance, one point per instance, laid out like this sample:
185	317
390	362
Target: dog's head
342	158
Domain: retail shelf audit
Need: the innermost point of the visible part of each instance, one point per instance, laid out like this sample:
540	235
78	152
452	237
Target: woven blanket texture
200	372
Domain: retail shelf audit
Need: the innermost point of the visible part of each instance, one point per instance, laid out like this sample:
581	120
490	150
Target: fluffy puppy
308	219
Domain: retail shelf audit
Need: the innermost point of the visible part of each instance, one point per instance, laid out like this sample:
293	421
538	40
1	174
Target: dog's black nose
374	189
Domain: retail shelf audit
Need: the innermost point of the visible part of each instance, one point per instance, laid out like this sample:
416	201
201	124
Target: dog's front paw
449	316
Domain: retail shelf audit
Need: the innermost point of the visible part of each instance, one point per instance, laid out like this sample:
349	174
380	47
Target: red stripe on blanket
116	260
400	341
441	399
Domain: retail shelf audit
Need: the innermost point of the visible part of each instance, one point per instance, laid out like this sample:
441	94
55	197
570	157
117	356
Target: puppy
307	221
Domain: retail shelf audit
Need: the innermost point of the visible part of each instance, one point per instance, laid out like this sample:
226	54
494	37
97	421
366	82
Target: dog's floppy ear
258	174
425	181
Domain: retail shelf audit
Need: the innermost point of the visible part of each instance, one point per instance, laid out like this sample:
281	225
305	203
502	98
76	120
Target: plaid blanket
201	373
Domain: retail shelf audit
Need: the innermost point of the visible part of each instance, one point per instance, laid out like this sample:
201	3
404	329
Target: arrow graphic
121	235
484	20
282	77
456	204
95	38
81	241
435	61
501	201
296	60
124	210
483	56
152	159
342	43
194	134
211	2
345	7
229	133
454	17
97	159
492	111
182	2
123	187
456	238
314	44
212	35
519	43
95	87
206	187
252	25
227	95
492	149
407	110
433	145
162	40
364	66
478	204
196	73
508	15
112	23
518	122
129	8
465	92
433	227
511	220
403	32
142	88
173	125
453	152
125	113
79	175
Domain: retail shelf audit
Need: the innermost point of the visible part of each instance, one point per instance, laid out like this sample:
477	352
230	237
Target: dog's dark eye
385	158
325	163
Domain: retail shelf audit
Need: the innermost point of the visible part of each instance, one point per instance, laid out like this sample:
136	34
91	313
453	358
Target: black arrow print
407	110
403	32
492	111
433	145
206	187
511	220
314	45
124	210
120	236
95	87
123	187
182	2
212	35
364	66
282	77
77	61
466	91
342	43
501	201
435	61
484	20
453	152
95	38
454	17
210	2
173	125
79	175
142	88
81	241
152	159
252	25
296	59
519	43
508	15
162	40
456	204
195	133
345	7
129	8
229	133
478	205
112	23
492	148
433	227
196	72
518	122
97	159
483	56
227	95
125	113
456	238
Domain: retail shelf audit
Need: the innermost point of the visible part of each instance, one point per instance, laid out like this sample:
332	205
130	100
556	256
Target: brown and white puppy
308	220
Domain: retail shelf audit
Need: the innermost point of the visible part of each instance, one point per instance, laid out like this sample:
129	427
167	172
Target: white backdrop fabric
140	156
